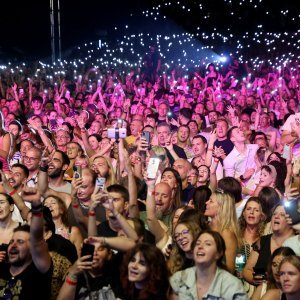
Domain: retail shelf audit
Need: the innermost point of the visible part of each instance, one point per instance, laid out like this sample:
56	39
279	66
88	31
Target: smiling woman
144	273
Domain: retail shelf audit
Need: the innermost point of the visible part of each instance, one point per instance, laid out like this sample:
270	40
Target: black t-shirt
103	229
31	284
107	282
179	151
63	247
227	146
187	194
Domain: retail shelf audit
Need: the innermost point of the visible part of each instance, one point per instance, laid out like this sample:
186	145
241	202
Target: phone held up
77	172
88	249
153	167
292	208
146	136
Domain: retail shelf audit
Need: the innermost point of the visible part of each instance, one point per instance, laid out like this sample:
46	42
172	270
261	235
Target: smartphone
100	182
240	261
286	151
116	133
259	272
153	167
88	249
146	136
292	208
3	247
170	115
77	171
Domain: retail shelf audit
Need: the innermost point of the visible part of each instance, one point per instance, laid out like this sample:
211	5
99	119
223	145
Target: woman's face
137	269
170	179
101	167
266	179
212	207
183	237
274	157
275	267
203	175
205	251
53	205
253	213
278	221
289	278
93	142
101	255
177	215
14	130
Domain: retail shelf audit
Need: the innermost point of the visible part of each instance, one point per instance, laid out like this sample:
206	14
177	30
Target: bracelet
12	192
44	168
70	281
91	213
216	160
75	205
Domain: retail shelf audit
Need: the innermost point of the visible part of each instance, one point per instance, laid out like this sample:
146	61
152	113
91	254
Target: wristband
91	213
75	205
12	192
210	149
70	281
216	160
44	168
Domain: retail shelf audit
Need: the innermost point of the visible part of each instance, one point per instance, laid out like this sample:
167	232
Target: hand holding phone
292	208
88	249
77	172
153	167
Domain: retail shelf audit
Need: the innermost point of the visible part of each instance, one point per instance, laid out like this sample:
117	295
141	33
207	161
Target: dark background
25	25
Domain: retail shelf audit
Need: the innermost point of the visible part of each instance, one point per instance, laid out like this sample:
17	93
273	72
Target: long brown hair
156	281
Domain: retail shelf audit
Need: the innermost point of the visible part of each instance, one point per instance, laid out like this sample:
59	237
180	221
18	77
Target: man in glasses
32	160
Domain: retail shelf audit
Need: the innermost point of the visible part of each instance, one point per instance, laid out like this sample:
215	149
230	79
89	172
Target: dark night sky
25	25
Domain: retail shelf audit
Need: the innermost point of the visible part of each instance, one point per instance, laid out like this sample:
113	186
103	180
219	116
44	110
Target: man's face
237	135
221	129
73	150
101	120
87	187
25	146
212	117
183	134
136	127
5	208
19	249
162	110
17	177
198	146
95	128
163	134
62	138
250	101
162	198
53	115
36	105
151	122
181	167
171	99
13	106
32	159
264	120
56	166
119	204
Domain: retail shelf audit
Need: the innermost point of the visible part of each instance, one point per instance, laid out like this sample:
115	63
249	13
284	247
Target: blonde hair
226	217
110	177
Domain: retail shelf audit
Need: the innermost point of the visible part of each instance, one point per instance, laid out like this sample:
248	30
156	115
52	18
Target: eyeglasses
31	159
61	137
183	233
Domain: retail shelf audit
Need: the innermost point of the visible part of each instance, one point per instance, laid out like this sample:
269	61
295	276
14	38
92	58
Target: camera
116	133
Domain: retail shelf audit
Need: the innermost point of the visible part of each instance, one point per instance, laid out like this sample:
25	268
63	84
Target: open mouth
200	253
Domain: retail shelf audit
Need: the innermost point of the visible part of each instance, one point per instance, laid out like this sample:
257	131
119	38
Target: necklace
83	205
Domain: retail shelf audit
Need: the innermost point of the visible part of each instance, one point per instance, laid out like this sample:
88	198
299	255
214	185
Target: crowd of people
150	184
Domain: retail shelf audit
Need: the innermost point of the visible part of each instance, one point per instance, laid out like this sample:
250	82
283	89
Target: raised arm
39	249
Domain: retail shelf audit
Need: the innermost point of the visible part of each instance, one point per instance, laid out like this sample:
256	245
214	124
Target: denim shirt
225	286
